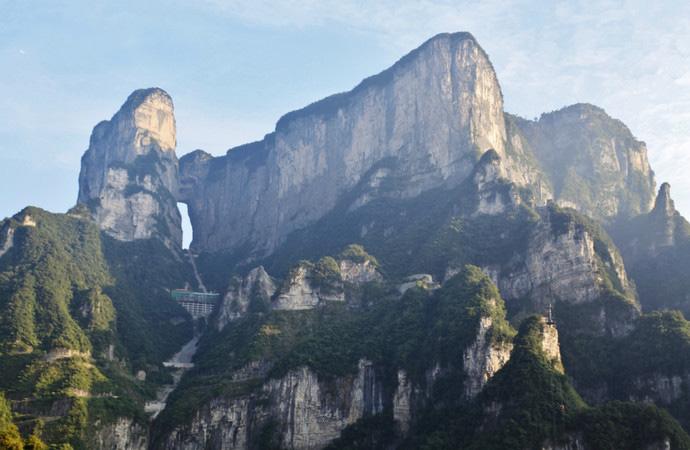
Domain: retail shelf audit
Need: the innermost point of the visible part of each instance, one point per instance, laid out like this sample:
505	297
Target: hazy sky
234	67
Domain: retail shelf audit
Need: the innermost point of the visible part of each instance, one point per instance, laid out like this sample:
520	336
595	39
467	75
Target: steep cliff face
569	260
593	161
128	178
6	238
649	235
308	377
665	215
656	248
423	123
495	193
308	285
483	358
297	411
123	434
300	291
257	287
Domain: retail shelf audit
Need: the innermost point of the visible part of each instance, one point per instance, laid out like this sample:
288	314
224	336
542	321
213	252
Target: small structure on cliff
549	315
198	304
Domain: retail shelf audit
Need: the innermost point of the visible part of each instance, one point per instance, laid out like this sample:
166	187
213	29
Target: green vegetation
524	404
528	402
10	438
325	274
371	432
415	332
631	366
9	434
357	254
145	270
627	425
79	314
659	271
424	234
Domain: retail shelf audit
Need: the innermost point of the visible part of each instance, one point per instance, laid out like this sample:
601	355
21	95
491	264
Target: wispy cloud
630	56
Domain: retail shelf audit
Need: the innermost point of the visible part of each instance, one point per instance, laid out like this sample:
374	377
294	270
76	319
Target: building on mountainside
198	304
549	315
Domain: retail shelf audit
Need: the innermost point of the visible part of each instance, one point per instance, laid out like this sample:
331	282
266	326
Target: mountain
656	247
422	124
404	265
128	177
593	161
86	323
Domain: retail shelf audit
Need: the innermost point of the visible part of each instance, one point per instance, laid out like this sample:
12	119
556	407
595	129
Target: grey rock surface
424	123
128	177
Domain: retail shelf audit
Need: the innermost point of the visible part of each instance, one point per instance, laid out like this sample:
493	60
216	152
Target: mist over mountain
404	265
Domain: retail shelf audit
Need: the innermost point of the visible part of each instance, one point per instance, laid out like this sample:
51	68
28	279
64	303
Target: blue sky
234	67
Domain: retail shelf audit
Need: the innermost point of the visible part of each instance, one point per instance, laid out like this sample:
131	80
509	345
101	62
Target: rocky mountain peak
128	177
593	161
145	120
420	122
663	219
663	205
550	345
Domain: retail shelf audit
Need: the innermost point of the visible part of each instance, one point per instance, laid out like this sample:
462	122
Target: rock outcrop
567	261
423	123
656	248
550	344
420	280
666	227
6	238
257	287
659	388
128	177
593	161
308	285
303	411
122	434
495	193
483	358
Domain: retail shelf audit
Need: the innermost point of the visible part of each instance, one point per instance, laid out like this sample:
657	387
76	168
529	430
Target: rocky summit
129	173
400	266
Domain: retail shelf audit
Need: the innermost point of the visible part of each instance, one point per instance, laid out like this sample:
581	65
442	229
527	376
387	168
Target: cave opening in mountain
186	225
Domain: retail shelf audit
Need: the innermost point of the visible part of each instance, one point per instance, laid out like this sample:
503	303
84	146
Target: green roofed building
198	304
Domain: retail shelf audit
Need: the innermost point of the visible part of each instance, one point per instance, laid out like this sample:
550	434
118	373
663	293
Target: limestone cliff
423	123
122	434
571	261
257	288
269	395
650	234
483	358
128	177
665	214
308	285
593	161
302	411
656	248
495	193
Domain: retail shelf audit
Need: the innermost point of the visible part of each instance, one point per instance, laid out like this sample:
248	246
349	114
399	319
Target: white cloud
683	80
630	56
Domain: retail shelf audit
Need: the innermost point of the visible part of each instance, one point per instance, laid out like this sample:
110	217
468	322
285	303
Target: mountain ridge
374	256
